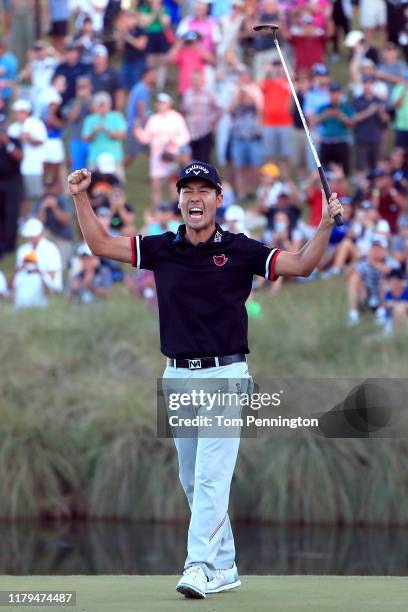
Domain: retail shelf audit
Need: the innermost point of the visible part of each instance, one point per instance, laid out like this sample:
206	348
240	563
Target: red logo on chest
220	260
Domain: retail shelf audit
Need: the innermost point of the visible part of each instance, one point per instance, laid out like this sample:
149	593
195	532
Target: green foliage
78	404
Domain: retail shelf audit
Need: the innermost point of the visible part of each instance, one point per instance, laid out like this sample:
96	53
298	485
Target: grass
257	593
77	421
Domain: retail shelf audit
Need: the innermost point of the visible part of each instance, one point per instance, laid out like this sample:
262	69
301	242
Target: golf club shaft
338	218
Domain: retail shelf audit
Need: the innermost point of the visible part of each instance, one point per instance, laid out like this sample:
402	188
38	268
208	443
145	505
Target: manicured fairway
272	593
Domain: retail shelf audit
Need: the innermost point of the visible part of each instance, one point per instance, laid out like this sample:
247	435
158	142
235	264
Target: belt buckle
194	364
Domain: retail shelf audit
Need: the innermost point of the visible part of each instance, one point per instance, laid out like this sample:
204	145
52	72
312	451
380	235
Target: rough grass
78	405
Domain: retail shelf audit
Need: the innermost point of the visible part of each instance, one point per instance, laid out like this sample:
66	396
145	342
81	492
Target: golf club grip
338	219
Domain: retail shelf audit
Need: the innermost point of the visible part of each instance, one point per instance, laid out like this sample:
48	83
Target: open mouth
195	212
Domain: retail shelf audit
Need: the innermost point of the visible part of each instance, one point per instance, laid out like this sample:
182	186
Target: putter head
266	28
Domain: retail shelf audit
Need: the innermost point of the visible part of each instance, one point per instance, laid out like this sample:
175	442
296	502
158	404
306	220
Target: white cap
163	97
381	240
234	213
83	249
382	227
105	162
21	105
100	50
353	37
32	227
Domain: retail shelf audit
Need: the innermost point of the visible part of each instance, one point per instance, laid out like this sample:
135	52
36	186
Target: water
129	548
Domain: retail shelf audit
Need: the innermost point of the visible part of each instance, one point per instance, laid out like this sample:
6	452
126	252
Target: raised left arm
303	262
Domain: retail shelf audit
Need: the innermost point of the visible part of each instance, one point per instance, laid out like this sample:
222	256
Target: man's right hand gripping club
95	235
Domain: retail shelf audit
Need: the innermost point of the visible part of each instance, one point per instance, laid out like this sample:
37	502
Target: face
198	202
21	116
83	88
102	108
72	56
100	62
335	97
378	252
34	240
201	10
396	285
163	107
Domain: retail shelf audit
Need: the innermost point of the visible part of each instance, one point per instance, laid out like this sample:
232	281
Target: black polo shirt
202	289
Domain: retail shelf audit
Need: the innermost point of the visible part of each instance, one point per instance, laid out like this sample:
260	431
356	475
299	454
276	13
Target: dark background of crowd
111	85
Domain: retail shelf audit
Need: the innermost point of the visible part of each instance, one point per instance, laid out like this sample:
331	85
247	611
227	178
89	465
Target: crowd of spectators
103	83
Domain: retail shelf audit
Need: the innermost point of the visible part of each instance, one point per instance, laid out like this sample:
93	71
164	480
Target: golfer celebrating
203	279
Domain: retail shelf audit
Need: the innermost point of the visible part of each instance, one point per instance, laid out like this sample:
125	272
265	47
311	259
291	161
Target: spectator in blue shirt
138	107
335	119
396	300
8	73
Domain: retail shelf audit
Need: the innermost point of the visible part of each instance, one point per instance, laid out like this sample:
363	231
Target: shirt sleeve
261	258
145	251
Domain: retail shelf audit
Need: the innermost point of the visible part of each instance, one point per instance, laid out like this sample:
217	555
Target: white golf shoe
193	582
225	580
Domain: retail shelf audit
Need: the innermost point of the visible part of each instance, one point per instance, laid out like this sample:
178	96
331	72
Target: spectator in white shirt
32	133
29	286
49	258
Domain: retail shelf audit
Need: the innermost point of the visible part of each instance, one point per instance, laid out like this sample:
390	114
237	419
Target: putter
271	28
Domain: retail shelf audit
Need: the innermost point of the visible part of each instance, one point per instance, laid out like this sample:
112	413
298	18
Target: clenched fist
79	181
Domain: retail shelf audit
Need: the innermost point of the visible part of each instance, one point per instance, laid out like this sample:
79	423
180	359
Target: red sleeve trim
133	245
272	276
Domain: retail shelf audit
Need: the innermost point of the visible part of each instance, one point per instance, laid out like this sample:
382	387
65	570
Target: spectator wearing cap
28	283
204	24
54	212
11	189
396	301
123	217
54	151
269	187
361	50
200	112
49	257
234	220
75	114
32	133
189	55
58	14
373	16
338	235
167	135
39	71
335	119
365	278
317	96
277	118
131	43
8	73
370	121
138	108
86	38
287	201
319	11
106	78
91	279
389	198
71	68
155	20
105	131
308	41
399	100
